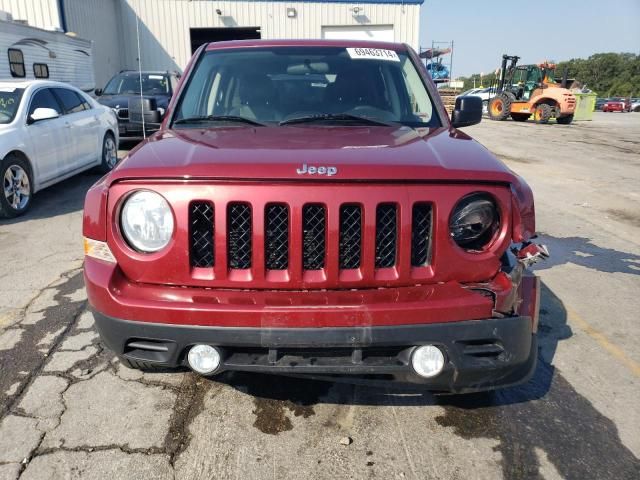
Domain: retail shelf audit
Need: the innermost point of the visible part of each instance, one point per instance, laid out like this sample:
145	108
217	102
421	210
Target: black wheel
565	120
17	186
140	365
520	117
109	153
543	113
499	107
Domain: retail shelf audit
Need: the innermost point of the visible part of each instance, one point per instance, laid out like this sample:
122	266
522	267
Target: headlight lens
475	221
147	221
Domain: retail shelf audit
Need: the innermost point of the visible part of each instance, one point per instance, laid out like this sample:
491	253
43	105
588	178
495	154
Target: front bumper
130	130
480	354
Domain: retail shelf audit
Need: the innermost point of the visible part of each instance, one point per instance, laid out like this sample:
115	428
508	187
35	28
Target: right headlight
474	221
147	221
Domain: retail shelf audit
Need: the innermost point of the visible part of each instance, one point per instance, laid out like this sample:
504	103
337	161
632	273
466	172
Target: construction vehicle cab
523	90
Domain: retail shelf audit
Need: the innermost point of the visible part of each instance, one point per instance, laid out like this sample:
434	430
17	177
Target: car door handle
67	125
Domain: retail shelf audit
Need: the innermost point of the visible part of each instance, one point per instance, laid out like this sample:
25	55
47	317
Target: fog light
204	359
427	361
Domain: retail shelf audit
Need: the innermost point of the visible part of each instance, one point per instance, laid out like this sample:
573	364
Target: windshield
9	102
129	83
324	85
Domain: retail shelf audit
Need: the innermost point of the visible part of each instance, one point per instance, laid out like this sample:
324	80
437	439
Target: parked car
635	105
123	88
483	93
49	131
615	105
600	103
308	207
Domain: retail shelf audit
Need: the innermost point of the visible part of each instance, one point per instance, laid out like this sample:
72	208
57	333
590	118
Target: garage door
359	32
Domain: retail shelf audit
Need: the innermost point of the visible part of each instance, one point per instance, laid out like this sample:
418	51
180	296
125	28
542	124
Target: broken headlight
474	222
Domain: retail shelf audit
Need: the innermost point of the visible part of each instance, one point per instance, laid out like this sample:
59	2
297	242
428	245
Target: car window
71	101
44	98
275	84
9	102
85	103
129	84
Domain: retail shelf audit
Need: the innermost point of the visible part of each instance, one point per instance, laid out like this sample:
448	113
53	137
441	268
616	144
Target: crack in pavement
189	403
26	354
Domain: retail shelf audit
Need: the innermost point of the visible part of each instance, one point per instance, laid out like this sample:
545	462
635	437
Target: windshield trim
438	119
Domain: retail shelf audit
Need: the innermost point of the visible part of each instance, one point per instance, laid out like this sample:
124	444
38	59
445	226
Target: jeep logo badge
321	170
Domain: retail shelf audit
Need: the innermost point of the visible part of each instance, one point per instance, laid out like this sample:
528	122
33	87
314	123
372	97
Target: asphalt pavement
68	409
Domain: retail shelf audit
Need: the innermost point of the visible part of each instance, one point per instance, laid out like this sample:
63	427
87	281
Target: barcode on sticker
373	54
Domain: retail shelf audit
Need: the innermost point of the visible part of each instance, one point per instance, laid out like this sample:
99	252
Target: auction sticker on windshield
373	54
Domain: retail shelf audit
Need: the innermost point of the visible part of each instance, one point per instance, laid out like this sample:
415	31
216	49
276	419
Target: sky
535	30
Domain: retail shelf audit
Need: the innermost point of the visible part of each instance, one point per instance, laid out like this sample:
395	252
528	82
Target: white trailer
28	52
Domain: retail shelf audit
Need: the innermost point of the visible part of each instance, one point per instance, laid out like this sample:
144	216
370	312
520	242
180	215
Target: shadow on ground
582	251
545	414
59	199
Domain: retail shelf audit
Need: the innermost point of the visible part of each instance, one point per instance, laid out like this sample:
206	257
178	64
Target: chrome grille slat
386	235
276	240
201	238
313	237
239	235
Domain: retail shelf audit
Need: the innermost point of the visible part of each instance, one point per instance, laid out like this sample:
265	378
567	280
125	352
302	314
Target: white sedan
49	131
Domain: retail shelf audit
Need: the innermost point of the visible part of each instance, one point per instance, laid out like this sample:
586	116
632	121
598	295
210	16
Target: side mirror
40	114
468	111
98	92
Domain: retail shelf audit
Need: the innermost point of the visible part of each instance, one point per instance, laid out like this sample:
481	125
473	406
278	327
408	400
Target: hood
288	152
122	101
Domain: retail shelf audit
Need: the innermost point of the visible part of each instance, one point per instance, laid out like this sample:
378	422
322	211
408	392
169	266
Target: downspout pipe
62	15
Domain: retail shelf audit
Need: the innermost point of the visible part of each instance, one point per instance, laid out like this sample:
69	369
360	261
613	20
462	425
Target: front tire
109	153
17	187
499	107
543	113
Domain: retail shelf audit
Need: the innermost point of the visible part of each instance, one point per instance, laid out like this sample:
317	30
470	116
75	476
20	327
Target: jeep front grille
313	237
420	234
201	238
386	235
350	236
239	235
276	239
304	242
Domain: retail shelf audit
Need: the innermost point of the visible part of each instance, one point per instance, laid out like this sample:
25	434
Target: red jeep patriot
309	207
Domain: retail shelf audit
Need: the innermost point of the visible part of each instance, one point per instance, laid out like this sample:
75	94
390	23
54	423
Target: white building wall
39	13
164	24
98	20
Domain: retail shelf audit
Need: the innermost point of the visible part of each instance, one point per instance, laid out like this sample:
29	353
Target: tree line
607	74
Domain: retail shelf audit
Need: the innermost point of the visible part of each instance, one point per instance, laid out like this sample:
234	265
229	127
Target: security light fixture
292	13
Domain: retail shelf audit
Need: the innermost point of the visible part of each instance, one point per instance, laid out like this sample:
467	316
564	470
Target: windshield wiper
339	117
217	118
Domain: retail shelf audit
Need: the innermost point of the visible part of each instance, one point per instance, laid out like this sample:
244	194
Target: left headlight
147	221
474	221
